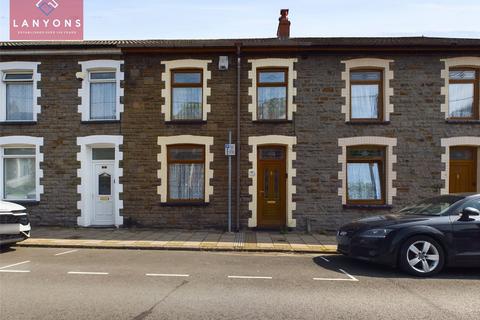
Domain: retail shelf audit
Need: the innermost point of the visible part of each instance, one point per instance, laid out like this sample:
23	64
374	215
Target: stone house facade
132	133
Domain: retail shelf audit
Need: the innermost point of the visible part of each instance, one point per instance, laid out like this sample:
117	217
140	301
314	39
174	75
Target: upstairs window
463	93
19	177
187	95
103	95
19	96
272	87
186	173
366	87
366	175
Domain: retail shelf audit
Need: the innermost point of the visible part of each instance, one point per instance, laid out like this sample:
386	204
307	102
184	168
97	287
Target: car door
466	235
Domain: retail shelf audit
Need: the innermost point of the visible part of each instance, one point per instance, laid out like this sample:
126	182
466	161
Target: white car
14	224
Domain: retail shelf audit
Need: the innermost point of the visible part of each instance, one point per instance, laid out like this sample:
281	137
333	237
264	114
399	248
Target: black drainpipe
238	45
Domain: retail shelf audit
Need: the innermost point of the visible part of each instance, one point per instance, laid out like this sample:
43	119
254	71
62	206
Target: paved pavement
57	283
159	239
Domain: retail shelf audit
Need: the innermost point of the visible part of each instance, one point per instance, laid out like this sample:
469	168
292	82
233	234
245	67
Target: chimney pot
283	31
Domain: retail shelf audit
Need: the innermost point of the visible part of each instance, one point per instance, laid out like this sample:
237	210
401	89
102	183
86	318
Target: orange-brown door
463	169
271	180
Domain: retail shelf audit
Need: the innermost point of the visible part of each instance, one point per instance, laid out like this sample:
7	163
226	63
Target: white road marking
86	272
332	279
166	275
350	277
249	277
15	264
66	252
325	259
15	271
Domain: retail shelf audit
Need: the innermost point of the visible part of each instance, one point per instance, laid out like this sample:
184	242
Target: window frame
381	86
382	173
174	85
100	65
93	81
16	81
170	161
272	84
24	156
476	91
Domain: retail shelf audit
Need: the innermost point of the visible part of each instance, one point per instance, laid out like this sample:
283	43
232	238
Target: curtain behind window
365	101
187	103
186	181
102	101
364	181
460	97
19	178
19	101
272	103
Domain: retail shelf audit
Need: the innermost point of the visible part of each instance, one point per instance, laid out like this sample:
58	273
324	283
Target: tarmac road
54	283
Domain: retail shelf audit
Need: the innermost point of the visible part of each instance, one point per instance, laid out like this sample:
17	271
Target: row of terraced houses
132	133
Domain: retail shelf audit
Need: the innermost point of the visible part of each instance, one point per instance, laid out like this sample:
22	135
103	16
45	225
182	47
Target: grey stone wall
417	123
59	123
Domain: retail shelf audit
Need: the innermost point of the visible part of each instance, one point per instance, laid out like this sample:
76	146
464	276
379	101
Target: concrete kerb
79	244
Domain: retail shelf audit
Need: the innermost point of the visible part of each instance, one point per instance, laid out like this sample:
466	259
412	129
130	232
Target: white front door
103	195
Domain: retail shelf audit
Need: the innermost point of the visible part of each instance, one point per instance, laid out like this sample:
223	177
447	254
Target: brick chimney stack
283	31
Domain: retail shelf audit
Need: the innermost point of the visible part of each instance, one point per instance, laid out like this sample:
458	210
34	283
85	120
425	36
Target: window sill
99	121
273	121
175	122
367	122
459	121
24	202
185	204
18	123
368	206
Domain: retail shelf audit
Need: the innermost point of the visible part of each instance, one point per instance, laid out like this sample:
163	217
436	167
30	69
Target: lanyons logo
47	6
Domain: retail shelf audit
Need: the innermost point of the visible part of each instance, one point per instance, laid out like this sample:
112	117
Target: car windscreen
433	206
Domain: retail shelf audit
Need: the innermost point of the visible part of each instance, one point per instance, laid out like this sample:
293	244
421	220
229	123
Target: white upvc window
102	95
19	173
101	92
19	96
18	91
20	168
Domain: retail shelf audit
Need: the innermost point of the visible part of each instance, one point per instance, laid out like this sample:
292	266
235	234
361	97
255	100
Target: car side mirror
467	212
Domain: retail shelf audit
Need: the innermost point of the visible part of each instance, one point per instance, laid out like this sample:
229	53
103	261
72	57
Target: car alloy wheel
421	256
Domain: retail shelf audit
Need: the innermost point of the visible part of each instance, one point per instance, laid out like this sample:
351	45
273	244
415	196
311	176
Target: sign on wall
229	149
46	19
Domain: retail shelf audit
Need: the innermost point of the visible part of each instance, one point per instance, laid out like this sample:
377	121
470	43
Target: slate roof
337	42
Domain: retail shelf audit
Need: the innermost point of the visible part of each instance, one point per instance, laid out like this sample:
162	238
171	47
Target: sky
213	19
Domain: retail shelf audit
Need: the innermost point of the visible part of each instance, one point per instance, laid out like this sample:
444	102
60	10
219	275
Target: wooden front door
271	188
463	169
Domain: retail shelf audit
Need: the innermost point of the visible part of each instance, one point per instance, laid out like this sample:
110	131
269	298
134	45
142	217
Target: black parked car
421	239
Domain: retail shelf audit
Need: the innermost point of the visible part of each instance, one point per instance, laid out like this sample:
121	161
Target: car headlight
376	233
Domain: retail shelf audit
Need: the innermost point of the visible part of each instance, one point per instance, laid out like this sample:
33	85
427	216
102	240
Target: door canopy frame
273	163
447	143
85	188
291	172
